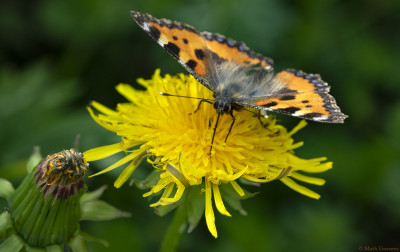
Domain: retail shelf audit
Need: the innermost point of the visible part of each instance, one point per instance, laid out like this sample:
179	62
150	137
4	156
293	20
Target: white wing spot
146	27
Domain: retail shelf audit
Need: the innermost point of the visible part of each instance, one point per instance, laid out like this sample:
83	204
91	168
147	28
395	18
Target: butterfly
240	77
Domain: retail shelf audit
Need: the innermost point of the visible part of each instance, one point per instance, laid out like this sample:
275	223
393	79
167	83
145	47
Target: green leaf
98	210
34	249
6	189
5	223
13	243
195	206
93	195
34	159
91	238
54	248
78	244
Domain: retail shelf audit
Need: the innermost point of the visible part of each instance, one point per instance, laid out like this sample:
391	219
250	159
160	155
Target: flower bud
45	208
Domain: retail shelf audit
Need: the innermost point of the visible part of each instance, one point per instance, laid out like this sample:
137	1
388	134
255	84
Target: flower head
168	132
61	173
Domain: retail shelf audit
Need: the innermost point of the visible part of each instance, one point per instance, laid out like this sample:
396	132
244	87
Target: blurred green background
57	56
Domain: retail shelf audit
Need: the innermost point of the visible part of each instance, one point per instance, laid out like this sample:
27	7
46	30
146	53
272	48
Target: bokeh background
57	56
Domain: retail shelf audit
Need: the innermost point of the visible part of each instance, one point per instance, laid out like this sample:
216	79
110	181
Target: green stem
175	230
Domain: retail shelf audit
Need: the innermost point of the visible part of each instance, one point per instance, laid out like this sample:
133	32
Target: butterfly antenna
191	97
183	96
215	129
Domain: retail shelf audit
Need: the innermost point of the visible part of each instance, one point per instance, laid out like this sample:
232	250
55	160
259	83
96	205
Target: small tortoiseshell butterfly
240	77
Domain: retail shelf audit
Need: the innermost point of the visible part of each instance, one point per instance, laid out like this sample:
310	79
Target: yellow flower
165	131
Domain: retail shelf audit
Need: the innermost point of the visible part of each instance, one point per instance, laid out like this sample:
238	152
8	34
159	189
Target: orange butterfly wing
228	49
304	95
182	41
195	50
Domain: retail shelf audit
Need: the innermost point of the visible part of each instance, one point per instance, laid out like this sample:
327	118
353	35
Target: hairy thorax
234	83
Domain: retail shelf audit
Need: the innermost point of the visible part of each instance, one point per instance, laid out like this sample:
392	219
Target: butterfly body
232	84
240	77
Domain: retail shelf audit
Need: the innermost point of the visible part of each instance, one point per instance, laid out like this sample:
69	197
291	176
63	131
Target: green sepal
233	199
98	210
195	206
34	159
149	181
91	238
78	244
248	182
236	204
13	243
6	189
229	190
5	223
163	210
93	195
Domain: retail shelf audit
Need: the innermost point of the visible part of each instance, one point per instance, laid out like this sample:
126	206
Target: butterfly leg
215	129
198	107
230	128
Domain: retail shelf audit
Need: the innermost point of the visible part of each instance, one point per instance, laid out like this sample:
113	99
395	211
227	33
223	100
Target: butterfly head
223	106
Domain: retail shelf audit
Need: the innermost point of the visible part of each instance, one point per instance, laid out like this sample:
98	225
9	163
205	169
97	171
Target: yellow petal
307	179
127	91
300	189
257	180
105	125
103	109
210	218
218	201
297	145
237	188
298	127
102	152
178	196
161	184
118	163
167	191
127	172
